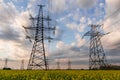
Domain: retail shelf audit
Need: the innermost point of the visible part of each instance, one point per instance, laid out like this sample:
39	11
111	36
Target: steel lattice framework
97	56
38	58
6	62
22	65
69	64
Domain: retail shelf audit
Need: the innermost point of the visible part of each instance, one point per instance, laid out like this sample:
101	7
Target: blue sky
72	19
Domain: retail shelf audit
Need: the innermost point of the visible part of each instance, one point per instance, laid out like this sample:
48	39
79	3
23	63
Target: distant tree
6	68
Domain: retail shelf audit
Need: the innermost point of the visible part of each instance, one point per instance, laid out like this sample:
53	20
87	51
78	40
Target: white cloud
31	3
1	1
17	48
86	3
108	27
113	4
76	16
63	19
89	21
98	12
59	5
13	50
72	25
111	41
58	33
102	5
60	45
72	51
23	18
12	34
71	48
80	42
8	11
83	20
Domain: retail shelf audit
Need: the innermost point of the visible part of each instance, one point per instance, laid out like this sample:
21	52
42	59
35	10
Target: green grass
60	75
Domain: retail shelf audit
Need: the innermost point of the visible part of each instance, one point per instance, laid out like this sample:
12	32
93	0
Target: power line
38	58
115	23
97	58
115	12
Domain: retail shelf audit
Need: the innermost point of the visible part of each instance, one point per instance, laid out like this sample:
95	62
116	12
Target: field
60	75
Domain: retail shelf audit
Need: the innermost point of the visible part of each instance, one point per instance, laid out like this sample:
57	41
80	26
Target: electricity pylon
22	64
97	56
69	64
6	62
58	64
38	59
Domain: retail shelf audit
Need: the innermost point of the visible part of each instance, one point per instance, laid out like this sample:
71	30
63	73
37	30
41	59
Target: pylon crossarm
97	55
42	30
86	34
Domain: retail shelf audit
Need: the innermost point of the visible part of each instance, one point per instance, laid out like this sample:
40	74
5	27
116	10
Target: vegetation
60	75
6	68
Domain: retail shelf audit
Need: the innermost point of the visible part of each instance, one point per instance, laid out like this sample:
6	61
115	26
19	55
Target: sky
71	18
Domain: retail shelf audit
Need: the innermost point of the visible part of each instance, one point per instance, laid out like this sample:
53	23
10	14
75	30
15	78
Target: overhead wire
112	14
115	12
48	16
115	22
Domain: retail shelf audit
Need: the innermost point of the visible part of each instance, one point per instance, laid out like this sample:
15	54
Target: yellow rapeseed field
60	75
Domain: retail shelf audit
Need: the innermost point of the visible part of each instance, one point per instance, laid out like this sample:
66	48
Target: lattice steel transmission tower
69	64
97	56
6	62
43	29
22	65
58	64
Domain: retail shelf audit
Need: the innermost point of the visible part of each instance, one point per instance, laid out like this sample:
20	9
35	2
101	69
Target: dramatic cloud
111	24
1	0
72	18
75	52
72	26
11	32
77	26
86	3
61	5
58	5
